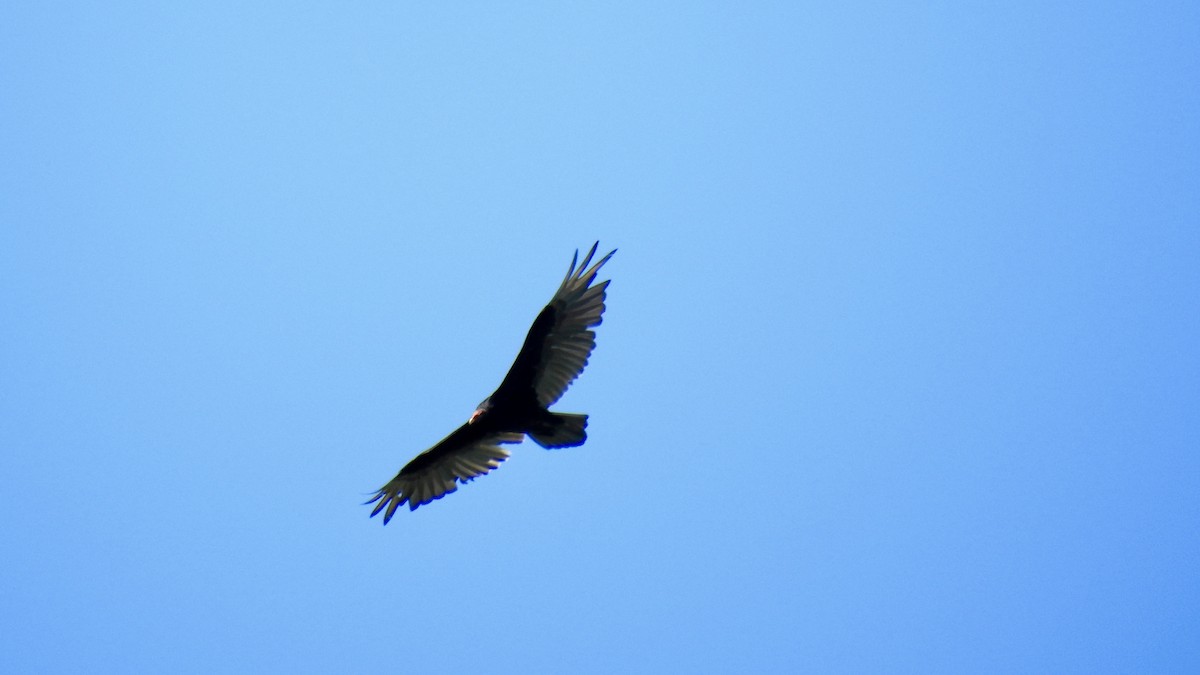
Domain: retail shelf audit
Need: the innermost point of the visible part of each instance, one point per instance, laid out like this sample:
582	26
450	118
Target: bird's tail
560	430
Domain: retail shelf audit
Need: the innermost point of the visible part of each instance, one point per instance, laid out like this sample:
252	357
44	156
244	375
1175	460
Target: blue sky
900	369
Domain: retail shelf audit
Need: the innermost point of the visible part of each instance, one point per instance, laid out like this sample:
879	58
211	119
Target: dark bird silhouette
554	354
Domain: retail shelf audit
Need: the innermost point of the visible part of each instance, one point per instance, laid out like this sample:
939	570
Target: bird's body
555	352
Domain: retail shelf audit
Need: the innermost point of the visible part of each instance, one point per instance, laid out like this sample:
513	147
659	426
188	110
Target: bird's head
483	407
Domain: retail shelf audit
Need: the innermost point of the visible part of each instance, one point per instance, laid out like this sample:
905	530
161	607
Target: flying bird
554	354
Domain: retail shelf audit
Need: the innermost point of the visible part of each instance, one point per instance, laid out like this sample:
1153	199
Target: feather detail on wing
459	458
566	343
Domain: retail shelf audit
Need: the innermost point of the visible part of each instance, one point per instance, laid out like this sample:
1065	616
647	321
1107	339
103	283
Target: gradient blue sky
900	370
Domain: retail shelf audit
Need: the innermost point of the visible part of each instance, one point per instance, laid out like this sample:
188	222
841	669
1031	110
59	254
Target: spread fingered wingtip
387	504
576	272
590	275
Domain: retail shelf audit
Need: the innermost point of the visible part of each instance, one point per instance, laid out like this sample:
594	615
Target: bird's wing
559	343
465	454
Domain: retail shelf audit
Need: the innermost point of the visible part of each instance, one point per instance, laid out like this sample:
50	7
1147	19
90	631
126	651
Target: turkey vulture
554	354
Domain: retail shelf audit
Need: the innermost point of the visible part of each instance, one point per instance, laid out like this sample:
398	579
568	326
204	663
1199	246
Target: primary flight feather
555	352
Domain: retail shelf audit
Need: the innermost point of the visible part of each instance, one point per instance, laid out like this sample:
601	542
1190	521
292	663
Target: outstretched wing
467	453
558	345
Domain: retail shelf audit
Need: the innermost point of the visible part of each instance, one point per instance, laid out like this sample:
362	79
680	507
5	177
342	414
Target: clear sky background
900	369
